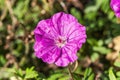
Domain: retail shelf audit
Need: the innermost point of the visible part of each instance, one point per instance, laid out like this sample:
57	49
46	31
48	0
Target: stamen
60	41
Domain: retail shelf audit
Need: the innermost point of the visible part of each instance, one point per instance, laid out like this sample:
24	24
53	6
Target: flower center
60	41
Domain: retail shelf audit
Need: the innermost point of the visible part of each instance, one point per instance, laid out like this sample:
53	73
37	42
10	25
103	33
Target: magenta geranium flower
115	5
57	39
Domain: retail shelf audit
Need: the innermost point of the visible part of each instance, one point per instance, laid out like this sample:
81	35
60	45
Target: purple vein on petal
47	50
67	54
72	32
60	54
58	22
76	37
69	30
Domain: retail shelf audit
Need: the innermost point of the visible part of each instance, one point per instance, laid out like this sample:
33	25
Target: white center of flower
60	41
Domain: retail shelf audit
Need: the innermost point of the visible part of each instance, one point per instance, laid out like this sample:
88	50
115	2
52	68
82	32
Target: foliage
97	59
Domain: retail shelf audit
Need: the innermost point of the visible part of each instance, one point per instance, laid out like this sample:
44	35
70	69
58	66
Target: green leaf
91	9
94	57
87	72
41	77
118	73
77	76
118	78
111	75
117	63
2	60
89	75
104	76
55	76
90	16
115	29
101	49
19	73
21	8
30	73
99	3
100	43
105	6
2	3
111	15
76	13
92	41
64	78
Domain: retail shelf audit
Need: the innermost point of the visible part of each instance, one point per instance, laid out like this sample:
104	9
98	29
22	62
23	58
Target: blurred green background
99	57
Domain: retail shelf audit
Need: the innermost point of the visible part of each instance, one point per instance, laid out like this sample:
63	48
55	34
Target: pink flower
115	5
57	39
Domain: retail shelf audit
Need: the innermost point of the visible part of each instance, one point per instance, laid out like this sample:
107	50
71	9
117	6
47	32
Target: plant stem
70	73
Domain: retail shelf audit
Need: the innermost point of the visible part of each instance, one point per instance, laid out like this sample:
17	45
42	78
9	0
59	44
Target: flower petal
71	50
62	61
51	55
68	55
115	5
63	22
